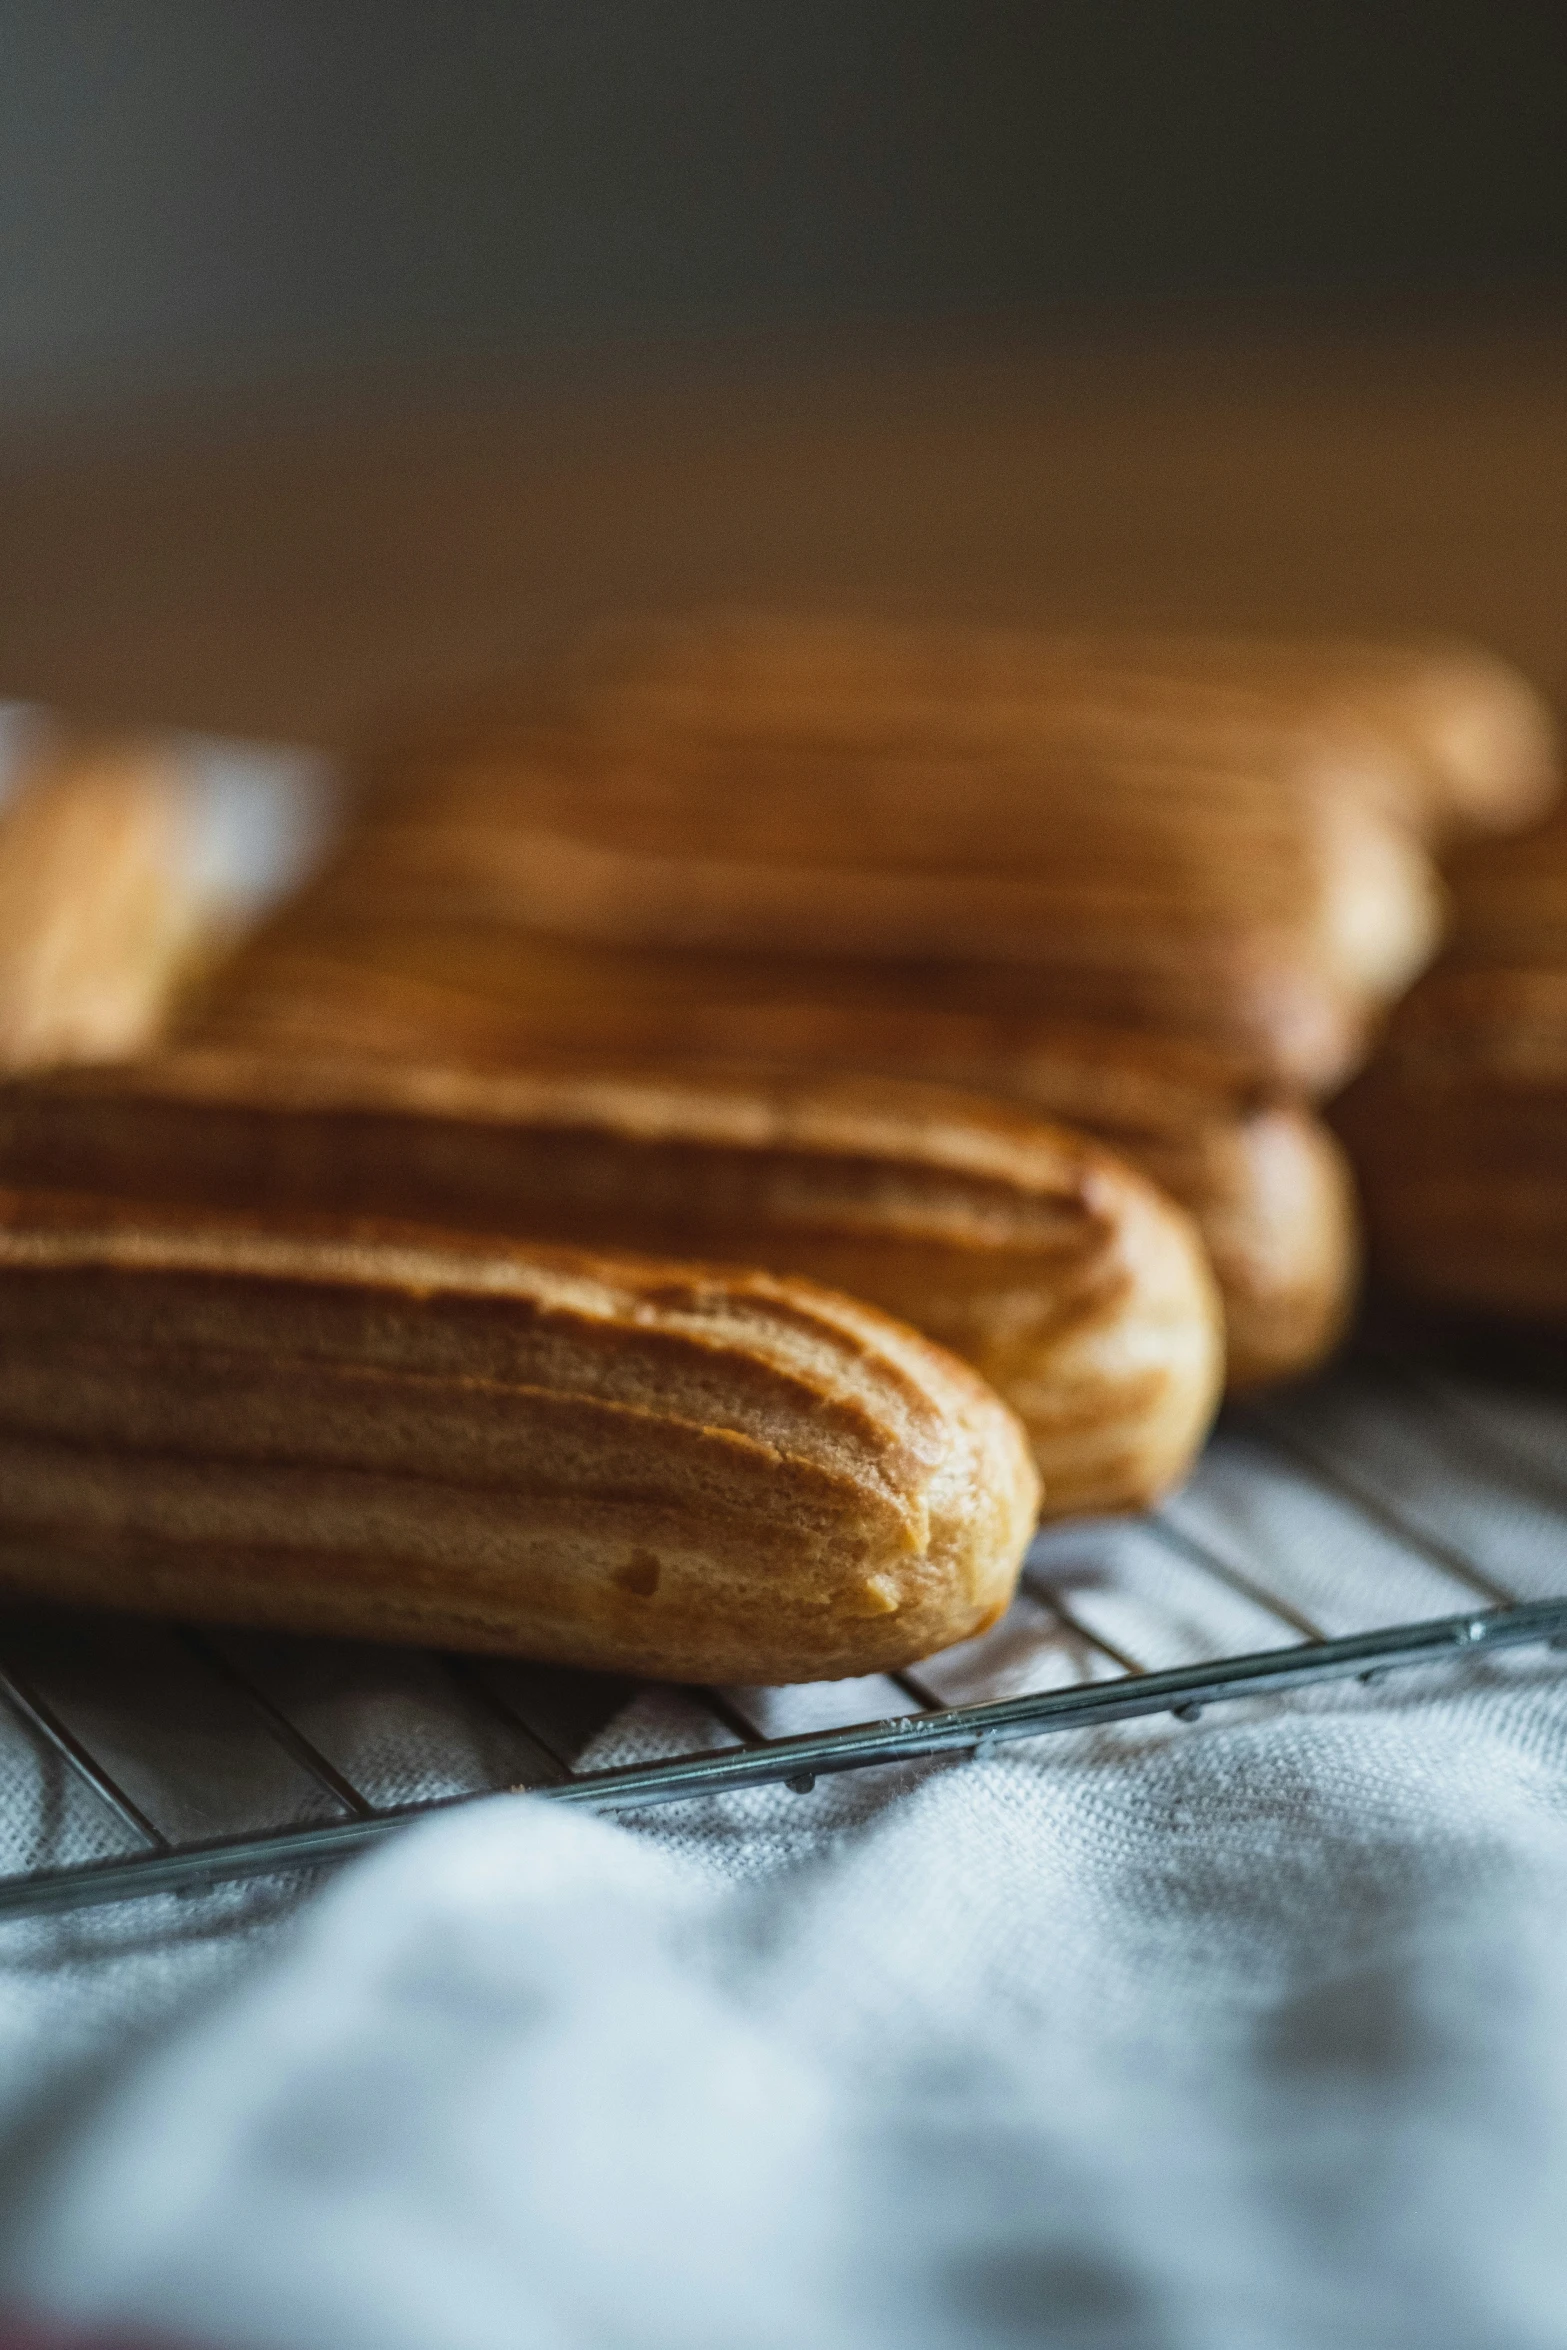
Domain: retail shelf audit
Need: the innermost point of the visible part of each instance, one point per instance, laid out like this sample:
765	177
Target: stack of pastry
1162	890
427	1287
1459	1127
341	1347
1077	1290
220	1397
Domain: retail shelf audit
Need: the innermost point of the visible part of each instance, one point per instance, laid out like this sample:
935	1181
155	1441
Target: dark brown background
343	348
290	574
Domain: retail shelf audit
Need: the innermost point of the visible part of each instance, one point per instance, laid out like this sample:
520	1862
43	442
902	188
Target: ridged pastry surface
1237	863
1063	1276
658	1468
1441	731
1264	1180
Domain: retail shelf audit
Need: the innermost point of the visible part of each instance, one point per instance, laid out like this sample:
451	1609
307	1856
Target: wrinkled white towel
1244	2036
1250	2037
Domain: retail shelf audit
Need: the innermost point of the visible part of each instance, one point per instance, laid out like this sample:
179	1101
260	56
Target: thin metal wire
913	1686
46	1722
463	1670
757	1759
1201	1554
729	1716
1374	1505
1043	1590
293	1740
972	1729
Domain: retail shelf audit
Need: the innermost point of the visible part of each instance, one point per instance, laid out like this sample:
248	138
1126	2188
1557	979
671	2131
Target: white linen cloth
1246	2036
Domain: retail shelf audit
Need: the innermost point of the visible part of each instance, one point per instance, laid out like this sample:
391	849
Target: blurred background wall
206	192
347	347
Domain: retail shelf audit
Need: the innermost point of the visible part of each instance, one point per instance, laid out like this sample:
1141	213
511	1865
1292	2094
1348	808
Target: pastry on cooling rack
1068	1280
1264	1180
1439	732
1203	906
662	1469
1165	890
1459	1128
1202	840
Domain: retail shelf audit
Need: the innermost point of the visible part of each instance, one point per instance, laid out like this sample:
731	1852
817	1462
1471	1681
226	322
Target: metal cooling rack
1384	1518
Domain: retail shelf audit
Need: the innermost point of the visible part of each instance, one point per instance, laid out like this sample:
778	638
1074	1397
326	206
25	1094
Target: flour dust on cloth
1252	2038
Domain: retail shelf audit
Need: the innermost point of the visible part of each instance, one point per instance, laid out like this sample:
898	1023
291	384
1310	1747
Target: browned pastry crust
1193	904
1458	1130
1458	1133
1067	1280
1440	731
1198	839
1451	737
1276	940
99	911
1264	1181
654	1468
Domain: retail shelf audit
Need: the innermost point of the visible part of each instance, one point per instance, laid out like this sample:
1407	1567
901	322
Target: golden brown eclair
1264	1181
1186	854
1192	903
1075	1288
98	910
653	1468
1458	1130
1441	731
1449	736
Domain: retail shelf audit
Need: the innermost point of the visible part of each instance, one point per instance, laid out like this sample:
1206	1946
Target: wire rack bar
729	1717
46	1724
542	1757
798	1762
293	1740
1047	1595
1515	1466
1186	1545
911	1684
1371	1504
